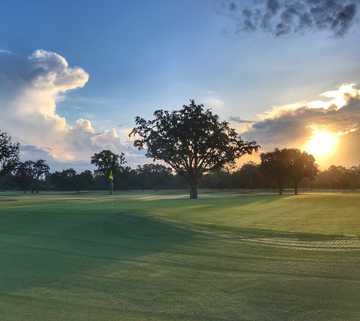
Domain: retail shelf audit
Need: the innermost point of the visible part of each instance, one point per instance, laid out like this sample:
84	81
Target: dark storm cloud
283	17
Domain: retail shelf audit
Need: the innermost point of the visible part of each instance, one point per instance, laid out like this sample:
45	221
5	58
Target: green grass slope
157	256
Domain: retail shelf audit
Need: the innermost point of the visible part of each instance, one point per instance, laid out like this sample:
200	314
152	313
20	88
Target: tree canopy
290	165
9	153
192	140
107	163
30	174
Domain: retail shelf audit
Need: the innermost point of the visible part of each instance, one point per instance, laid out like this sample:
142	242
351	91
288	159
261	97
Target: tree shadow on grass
186	205
40	253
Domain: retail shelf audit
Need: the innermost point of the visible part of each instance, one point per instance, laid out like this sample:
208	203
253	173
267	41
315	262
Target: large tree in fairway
191	140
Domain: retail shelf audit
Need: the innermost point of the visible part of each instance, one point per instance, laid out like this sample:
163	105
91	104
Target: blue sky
141	55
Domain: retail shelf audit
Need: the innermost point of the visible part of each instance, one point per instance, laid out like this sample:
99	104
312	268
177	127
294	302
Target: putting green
160	256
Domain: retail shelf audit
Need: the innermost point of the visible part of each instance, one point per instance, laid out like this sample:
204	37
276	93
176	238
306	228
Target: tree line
250	176
195	148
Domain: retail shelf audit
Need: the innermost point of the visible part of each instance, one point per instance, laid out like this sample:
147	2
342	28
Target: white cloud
5	51
33	86
214	102
334	99
85	125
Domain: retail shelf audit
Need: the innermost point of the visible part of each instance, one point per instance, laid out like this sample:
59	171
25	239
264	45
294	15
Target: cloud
214	102
29	92
241	125
240	120
284	17
294	125
5	51
31	152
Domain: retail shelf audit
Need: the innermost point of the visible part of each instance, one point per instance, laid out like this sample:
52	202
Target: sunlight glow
322	143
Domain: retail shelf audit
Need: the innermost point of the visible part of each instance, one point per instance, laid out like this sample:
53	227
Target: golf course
160	256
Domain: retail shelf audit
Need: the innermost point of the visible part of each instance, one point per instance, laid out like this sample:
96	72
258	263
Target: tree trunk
193	189
280	188
111	188
296	189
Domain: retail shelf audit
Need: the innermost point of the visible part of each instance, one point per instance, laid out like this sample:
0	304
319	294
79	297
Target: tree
154	176
24	175
64	180
288	166
124	178
192	140
107	163
273	165
40	170
301	165
30	174
84	180
249	176
339	177
217	179
9	154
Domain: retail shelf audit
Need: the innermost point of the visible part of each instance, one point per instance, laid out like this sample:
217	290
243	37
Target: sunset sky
74	74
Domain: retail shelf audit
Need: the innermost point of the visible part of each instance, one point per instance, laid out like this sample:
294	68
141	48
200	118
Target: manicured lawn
159	256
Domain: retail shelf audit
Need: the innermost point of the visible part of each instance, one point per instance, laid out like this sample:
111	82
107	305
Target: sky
74	74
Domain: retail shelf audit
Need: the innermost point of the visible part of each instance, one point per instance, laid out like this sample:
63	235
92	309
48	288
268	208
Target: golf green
159	256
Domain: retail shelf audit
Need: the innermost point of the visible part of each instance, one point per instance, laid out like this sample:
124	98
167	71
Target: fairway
159	256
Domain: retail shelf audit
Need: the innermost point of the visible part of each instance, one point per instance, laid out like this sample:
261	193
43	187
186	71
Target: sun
322	143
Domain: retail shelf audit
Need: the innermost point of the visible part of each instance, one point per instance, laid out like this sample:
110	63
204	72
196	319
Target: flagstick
111	187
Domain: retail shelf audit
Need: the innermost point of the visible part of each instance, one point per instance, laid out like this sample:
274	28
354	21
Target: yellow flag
110	176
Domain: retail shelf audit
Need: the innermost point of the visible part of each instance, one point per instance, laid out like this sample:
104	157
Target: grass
159	256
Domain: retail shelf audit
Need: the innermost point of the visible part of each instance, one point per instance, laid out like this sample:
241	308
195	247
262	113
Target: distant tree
24	175
249	176
274	166
84	180
107	163
9	154
64	180
40	170
218	179
288	165
154	176
29	174
339	177
125	178
301	165
191	140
